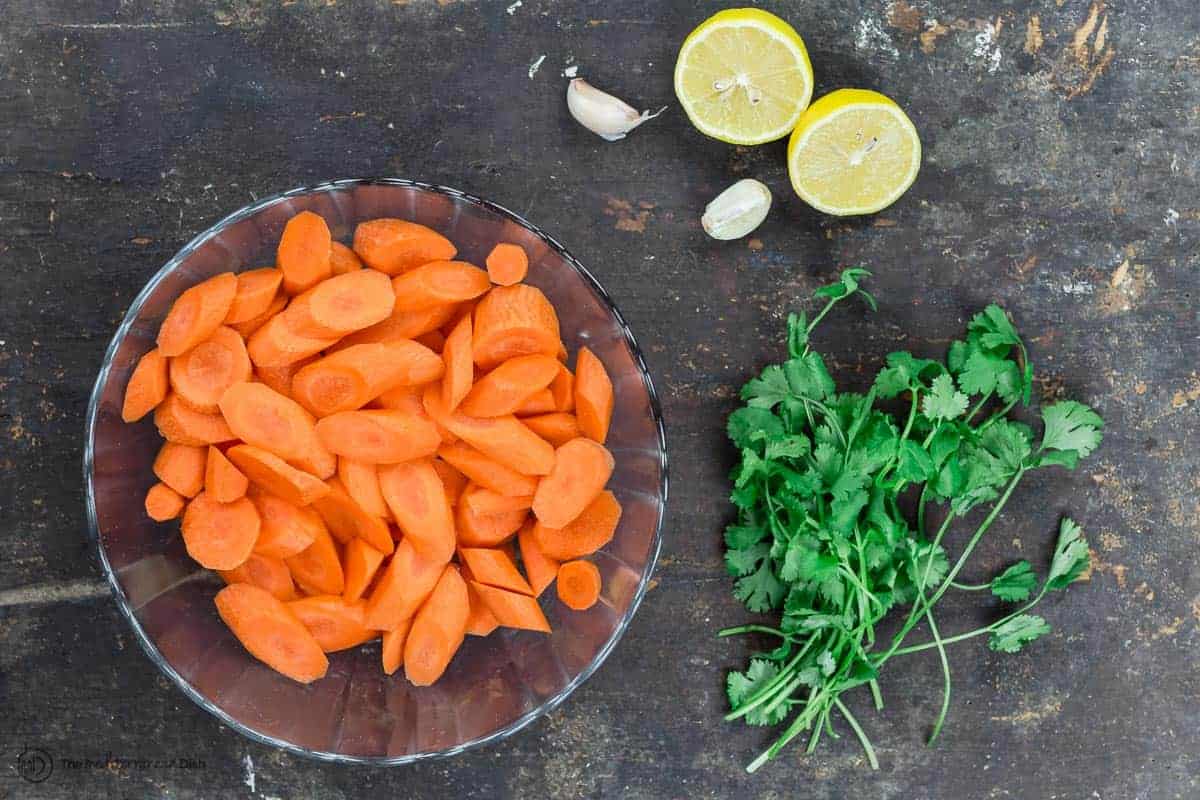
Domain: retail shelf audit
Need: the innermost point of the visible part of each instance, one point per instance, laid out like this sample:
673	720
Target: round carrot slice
201	375
196	314
342	304
581	469
270	632
163	503
220	535
578	584
514	321
256	289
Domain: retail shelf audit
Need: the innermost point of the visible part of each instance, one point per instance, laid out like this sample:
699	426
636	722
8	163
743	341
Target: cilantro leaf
741	686
915	465
826	663
1017	632
742	561
807	377
767	390
788	446
1010	443
995	328
984	372
1071	426
1071	556
903	372
943	401
750	425
797	334
846	286
760	590
1015	583
806	561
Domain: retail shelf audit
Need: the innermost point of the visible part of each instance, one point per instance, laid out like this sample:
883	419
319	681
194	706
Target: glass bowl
496	685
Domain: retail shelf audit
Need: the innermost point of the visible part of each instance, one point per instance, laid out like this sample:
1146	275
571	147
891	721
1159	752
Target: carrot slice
276	476
557	428
303	253
246	329
593	396
495	568
395	245
437	630
586	534
581	469
317	568
578	584
513	610
219	535
400	325
460	367
262	417
484	530
350	378
346	520
271	633
480	619
280	378
287	529
485	501
181	467
361	481
335	623
197	312
403	398
342	304
378	436
540	402
393	646
276	344
202	374
256	289
507	264
163	503
487	472
222	479
506	388
514	321
503	439
267	573
362	561
179	423
563	389
342	259
439	283
540	569
415	494
402	588
147	386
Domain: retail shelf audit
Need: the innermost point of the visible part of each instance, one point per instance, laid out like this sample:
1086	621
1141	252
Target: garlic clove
608	117
737	211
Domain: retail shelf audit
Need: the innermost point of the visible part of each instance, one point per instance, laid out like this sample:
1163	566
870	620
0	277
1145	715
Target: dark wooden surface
1060	179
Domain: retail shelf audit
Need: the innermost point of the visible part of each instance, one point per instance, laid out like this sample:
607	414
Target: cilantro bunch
820	533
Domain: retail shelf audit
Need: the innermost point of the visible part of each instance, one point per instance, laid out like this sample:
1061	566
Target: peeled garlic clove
601	113
737	211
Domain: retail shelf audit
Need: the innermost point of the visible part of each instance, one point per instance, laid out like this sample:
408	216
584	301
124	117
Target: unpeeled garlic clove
607	116
737	211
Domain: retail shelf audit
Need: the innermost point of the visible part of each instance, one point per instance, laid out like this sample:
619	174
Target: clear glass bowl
496	685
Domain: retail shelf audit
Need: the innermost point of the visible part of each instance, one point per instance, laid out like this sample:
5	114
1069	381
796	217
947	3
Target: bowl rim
123	605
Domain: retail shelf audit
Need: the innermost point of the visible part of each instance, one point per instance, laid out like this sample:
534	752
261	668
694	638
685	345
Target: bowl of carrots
376	471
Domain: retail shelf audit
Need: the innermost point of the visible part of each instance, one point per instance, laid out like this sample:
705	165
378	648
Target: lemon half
854	151
743	76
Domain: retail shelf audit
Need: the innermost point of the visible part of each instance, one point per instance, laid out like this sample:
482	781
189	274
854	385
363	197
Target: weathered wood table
1060	179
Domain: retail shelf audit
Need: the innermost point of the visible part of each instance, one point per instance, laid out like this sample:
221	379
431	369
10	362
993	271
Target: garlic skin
737	211
608	117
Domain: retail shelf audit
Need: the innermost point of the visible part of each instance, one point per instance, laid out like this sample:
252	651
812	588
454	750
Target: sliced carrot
453	481
581	469
270	632
557	428
494	567
179	423
336	624
586	534
197	312
437	630
202	374
163	503
417	499
395	245
287	529
434	340
264	418
346	520
439	283
593	396
503	439
485	501
256	289
506	388
480	619
400	325
514	321
265	572
362	561
403	398
402	588
484	530
513	610
378	436
219	535
280	378
540	402
361	481
540	569
276	476
303	253
276	344
342	259
563	389
222	480
507	264
460	367
147	386
181	467
341	305
393	647
487	472
246	329
317	568
578	584
350	378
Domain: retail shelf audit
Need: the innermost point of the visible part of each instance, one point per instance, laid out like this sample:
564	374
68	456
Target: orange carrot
480	619
485	501
276	344
346	520
350	378
434	340
246	329
506	388
335	623
265	572
593	396
395	245
317	568
507	264
179	423
342	259
581	469
256	289
361	481
578	584
280	378
219	535
495	568
563	389
540	569
540	402
586	534
439	283
362	561
417	499
403	398
502	439
287	529
303	253
453	481
402	588
222	480
460	367
264	418
276	476
342	304
487	472
270	632
484	530
513	610
163	503
401	325
557	428
514	321
393	647
378	436
197	312
202	374
181	467
437	630
147	386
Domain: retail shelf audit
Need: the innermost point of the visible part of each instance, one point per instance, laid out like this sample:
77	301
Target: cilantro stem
858	731
971	587
987	423
752	629
875	693
937	640
975	410
917	648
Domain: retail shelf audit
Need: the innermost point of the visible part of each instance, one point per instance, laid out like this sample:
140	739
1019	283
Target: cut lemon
853	152
743	76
